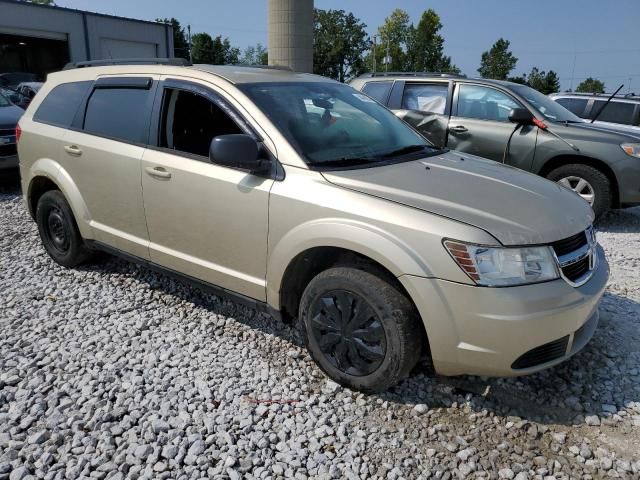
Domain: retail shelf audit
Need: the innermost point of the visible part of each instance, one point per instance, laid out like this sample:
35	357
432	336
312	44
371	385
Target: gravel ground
113	371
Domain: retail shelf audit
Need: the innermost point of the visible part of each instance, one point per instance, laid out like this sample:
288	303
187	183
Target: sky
575	38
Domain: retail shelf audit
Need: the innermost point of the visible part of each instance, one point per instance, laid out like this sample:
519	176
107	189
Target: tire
597	180
58	230
380	342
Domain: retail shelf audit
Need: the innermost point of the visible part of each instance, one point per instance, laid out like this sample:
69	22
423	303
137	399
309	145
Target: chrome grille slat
576	257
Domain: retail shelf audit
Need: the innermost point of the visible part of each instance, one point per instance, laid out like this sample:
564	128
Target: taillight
18	133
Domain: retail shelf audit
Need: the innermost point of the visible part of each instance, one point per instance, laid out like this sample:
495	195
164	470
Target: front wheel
588	182
361	330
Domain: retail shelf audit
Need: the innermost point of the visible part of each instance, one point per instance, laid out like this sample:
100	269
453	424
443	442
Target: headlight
501	267
632	149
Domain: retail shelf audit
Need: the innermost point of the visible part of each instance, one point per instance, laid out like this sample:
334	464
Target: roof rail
266	67
178	62
414	74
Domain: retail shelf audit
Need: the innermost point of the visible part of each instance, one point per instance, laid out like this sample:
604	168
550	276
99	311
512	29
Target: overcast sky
576	38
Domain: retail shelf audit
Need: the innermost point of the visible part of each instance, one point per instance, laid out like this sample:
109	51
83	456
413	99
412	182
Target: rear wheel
361	330
588	182
58	230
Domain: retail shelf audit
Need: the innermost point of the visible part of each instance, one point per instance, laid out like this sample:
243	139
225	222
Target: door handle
158	172
73	150
458	129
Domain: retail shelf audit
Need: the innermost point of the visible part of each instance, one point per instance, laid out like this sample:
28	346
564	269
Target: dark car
13	79
27	90
517	125
13	96
9	116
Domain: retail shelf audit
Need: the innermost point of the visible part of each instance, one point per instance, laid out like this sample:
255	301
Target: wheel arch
562	160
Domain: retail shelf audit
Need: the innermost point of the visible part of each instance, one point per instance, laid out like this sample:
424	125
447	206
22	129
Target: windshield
547	107
333	125
4	101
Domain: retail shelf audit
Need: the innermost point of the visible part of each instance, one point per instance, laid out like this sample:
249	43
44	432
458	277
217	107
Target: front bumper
9	162
484	331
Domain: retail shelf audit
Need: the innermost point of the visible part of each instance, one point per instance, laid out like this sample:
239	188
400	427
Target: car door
205	220
425	106
480	125
102	154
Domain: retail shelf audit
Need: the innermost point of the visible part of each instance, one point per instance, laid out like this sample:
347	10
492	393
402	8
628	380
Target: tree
498	62
339	45
393	36
425	46
255	55
543	82
591	85
180	42
214	51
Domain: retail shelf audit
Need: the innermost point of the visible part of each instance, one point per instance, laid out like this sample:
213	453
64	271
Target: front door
205	220
480	125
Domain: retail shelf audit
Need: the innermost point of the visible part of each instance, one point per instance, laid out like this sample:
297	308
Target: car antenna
595	117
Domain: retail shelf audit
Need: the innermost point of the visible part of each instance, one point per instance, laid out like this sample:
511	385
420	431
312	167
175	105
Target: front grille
8	150
542	354
4	132
576	270
571	244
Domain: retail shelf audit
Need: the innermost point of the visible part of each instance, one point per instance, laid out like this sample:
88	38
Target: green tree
180	42
255	55
425	46
591	85
543	82
392	38
339	45
214	51
498	62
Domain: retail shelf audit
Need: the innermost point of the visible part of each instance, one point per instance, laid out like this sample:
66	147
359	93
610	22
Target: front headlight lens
501	267
632	149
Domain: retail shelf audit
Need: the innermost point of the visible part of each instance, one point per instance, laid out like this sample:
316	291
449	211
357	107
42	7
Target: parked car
302	197
475	116
622	111
13	79
13	96
28	91
9	116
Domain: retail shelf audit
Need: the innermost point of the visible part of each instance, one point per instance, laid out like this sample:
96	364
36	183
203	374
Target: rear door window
119	113
379	91
574	105
614	112
60	106
430	98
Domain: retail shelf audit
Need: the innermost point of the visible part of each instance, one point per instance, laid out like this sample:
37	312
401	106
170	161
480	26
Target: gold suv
307	199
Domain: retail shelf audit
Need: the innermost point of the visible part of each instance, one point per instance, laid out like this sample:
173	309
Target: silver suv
622	111
303	197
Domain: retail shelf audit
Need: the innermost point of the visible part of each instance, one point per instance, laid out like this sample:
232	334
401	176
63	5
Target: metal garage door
112	48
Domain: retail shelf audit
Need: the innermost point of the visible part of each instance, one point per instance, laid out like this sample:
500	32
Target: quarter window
61	104
484	103
119	113
190	121
614	112
425	98
379	91
575	105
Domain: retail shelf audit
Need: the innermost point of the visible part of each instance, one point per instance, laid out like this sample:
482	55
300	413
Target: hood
9	116
595	131
516	207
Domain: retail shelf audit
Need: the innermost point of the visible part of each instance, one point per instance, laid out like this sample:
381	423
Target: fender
46	167
353	235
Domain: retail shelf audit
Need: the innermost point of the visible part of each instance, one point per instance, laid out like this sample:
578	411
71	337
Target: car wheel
588	182
58	230
361	330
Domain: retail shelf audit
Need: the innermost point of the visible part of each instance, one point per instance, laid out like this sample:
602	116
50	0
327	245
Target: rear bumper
506	331
9	162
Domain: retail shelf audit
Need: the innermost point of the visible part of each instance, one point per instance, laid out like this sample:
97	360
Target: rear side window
615	112
60	106
574	105
425	98
119	113
379	91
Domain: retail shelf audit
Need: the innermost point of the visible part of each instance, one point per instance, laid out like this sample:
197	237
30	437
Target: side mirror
238	151
521	116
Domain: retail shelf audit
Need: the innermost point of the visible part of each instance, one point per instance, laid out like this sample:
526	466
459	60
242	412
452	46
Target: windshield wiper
406	150
345	162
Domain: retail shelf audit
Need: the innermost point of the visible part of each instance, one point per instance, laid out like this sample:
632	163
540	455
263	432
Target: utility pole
387	59
375	40
189	30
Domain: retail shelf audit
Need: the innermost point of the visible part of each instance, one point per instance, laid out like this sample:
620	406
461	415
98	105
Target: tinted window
551	110
484	103
426	98
189	122
378	90
120	113
615	112
575	105
61	105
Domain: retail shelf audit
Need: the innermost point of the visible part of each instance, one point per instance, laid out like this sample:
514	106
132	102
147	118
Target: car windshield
333	125
4	101
547	107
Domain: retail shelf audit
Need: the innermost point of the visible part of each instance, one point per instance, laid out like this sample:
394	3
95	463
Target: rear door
480	125
425	106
